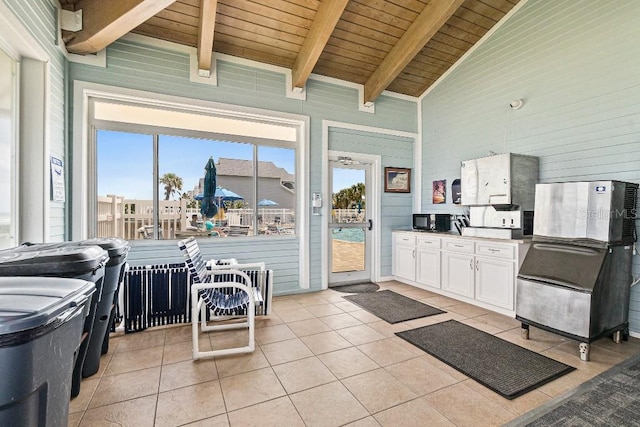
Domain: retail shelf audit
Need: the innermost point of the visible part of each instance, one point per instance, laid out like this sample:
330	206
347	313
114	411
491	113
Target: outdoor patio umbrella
208	207
267	202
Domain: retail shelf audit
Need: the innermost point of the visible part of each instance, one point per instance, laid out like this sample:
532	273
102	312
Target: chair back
193	258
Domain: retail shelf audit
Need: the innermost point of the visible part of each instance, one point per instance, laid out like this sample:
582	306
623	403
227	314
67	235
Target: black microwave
432	222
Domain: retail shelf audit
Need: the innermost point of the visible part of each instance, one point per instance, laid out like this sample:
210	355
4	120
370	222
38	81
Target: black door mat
504	367
357	288
392	307
610	399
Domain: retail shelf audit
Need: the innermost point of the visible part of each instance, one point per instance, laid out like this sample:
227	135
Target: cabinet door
404	262
495	282
428	267
459	273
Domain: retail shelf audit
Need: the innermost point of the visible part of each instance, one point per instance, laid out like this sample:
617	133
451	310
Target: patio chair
225	294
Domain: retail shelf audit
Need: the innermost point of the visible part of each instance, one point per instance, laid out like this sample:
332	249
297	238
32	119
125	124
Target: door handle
370	227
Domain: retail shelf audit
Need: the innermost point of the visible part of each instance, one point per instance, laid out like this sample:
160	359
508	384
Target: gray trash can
41	321
117	249
54	260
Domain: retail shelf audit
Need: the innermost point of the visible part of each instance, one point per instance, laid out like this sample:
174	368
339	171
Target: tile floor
319	361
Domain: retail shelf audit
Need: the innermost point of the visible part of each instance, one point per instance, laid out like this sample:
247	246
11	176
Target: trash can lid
31	302
114	245
51	260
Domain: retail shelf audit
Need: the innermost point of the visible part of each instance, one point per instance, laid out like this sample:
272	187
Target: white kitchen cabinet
458	275
494	281
404	256
474	270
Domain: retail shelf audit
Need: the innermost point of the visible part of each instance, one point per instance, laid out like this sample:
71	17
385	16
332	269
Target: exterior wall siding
133	65
40	19
576	68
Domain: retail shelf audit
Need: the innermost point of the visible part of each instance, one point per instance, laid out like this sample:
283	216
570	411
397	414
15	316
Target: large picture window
151	185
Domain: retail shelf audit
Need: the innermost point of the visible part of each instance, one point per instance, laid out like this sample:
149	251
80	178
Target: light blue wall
137	66
39	17
576	65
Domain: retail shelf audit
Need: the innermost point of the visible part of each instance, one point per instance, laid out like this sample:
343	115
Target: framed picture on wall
397	180
439	191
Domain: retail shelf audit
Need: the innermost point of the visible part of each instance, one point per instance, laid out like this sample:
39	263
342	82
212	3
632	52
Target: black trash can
41	321
117	250
55	260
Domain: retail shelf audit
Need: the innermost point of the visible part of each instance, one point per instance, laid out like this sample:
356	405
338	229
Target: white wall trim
476	46
16	40
417	165
137	38
83	91
376	177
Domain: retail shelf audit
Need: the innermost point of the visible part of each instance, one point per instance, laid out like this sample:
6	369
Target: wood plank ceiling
402	46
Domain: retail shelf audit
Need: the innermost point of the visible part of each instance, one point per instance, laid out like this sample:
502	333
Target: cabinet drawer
459	245
428	242
496	250
404	239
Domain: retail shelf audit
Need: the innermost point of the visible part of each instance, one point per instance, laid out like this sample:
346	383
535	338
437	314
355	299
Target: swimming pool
355	235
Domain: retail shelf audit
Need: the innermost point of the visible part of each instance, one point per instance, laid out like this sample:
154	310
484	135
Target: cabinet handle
471	264
494	250
458	246
477	266
413	253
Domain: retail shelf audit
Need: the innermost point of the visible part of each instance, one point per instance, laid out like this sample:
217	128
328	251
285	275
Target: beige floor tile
339	321
140	340
325	342
482	326
364	316
217	421
253	387
365	422
387	352
183	374
517	406
499	321
347	306
228	339
121	387
276	412
294	315
378	390
389	329
420	376
559	386
328	405
326	309
467	310
440	301
360	334
134	360
187	404
627	348
104	362
466	407
177	334
130	413
286	351
81	401
270	320
538	341
431	320
311	298
444	367
303	374
181	351
241	363
415	413
275	333
74	419
308	327
348	362
418	294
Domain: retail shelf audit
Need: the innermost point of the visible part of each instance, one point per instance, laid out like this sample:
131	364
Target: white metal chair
226	294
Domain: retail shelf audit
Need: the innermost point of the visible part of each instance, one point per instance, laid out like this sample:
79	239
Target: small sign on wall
57	180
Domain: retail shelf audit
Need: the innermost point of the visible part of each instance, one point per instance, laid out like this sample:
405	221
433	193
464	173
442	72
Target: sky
125	162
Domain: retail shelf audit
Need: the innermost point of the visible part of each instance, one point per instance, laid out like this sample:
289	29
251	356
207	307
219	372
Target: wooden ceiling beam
105	22
206	29
435	15
321	29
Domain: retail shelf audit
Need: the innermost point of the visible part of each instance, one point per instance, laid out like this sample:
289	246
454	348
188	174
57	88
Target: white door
349	224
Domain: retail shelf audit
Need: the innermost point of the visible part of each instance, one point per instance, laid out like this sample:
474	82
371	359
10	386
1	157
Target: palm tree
172	184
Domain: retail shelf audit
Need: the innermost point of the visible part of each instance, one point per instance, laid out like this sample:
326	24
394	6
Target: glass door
349	225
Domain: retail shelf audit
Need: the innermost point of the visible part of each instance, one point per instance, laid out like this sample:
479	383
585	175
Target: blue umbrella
208	207
267	202
222	195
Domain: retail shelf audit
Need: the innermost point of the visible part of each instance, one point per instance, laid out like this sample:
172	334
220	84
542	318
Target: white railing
132	219
348	215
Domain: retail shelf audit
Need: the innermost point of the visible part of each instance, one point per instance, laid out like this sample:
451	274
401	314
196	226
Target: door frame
373	204
367	168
